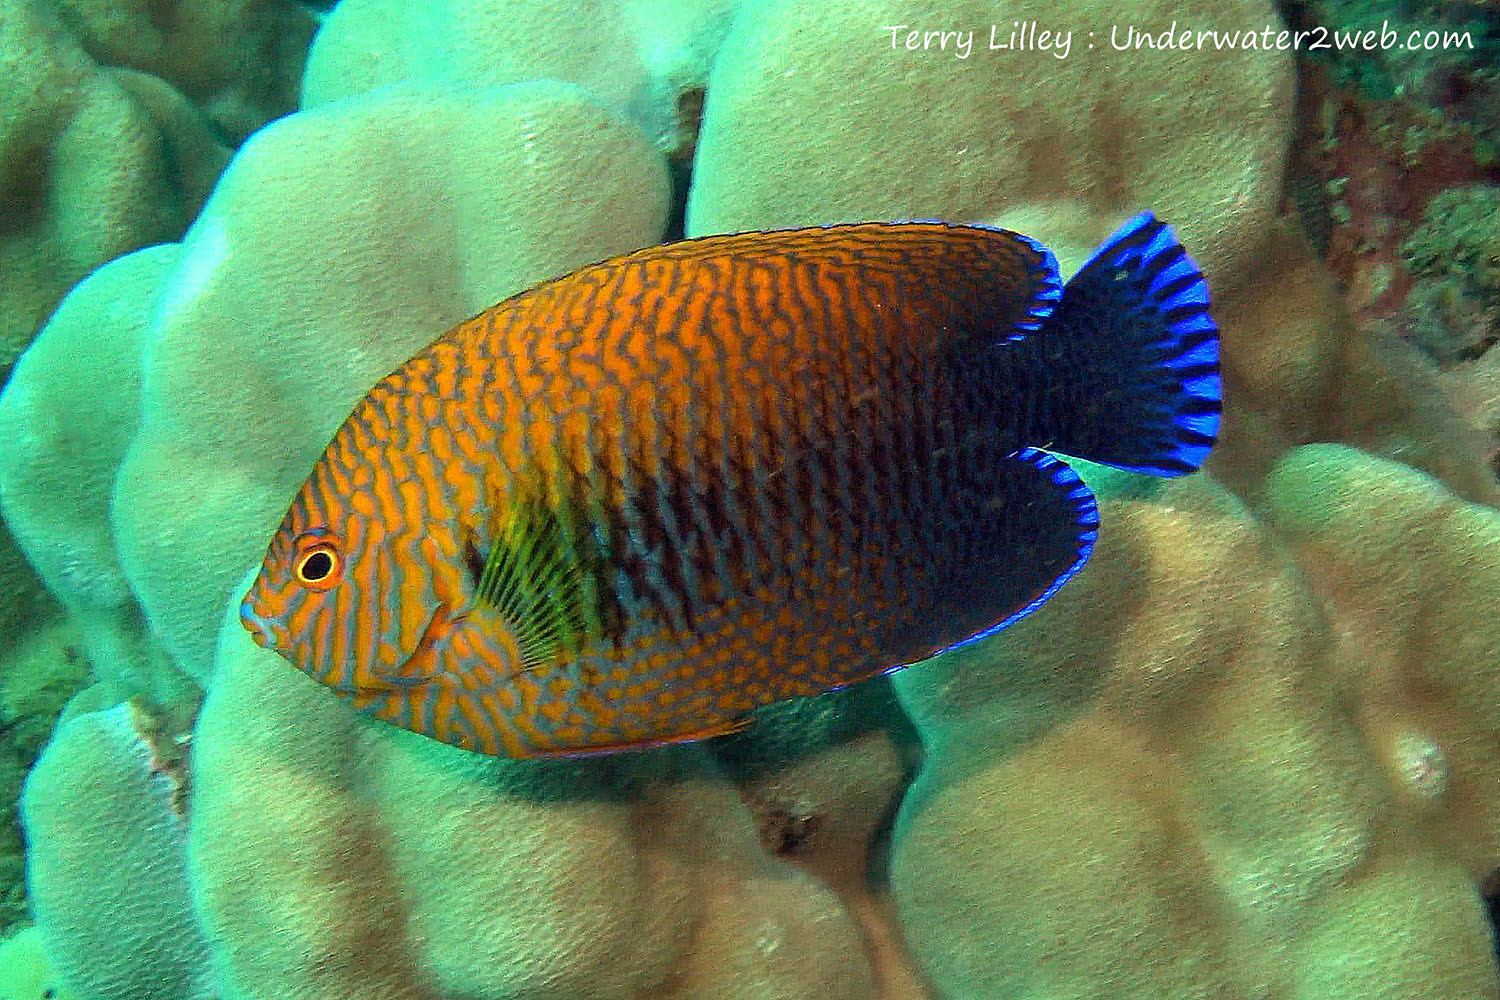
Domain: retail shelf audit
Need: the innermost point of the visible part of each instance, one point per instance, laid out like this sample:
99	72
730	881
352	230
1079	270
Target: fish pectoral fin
541	578
728	728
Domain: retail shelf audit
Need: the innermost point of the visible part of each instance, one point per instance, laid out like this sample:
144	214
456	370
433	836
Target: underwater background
1251	752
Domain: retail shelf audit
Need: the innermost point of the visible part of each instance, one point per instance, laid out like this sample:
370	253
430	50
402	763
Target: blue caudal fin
1137	355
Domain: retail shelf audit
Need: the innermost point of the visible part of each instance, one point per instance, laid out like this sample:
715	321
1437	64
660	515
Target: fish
630	506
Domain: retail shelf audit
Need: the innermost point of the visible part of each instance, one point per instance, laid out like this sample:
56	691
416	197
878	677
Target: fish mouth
258	627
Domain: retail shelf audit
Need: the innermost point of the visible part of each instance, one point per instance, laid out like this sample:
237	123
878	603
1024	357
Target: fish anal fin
727	728
1043	531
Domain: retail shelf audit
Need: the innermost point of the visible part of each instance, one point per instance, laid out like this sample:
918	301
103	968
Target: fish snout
260	630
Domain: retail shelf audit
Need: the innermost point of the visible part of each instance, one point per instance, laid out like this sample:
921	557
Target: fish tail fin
1139	354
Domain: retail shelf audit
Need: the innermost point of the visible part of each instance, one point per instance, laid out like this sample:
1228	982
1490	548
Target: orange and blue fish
631	505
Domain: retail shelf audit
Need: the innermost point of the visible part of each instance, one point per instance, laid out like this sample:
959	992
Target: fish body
631	505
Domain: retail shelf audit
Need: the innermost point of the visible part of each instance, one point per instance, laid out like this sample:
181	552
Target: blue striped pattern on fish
630	506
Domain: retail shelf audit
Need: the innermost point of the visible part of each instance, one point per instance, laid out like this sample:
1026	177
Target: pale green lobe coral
1417	929
107	868
816	113
65	437
95	161
639	57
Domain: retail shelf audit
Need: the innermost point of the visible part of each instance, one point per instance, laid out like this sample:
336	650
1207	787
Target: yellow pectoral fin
500	640
647	743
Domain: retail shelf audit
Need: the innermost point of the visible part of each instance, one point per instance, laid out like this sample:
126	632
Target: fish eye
318	567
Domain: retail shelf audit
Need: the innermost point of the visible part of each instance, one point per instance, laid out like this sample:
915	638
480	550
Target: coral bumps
1251	752
113	126
1282	780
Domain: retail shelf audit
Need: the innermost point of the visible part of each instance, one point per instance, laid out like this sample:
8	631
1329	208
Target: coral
1389	189
36	678
107	867
1456	78
1458	241
26	600
1292	743
821	777
641	58
239	61
1475	386
94	162
813	115
65	437
1364	172
25	973
1454	255
1298	369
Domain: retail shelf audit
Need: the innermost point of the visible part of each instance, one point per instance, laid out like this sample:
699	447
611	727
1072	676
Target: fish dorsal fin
1007	283
1014	277
541	576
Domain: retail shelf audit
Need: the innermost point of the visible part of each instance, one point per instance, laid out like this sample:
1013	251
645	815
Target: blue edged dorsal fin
1040	283
1049	289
